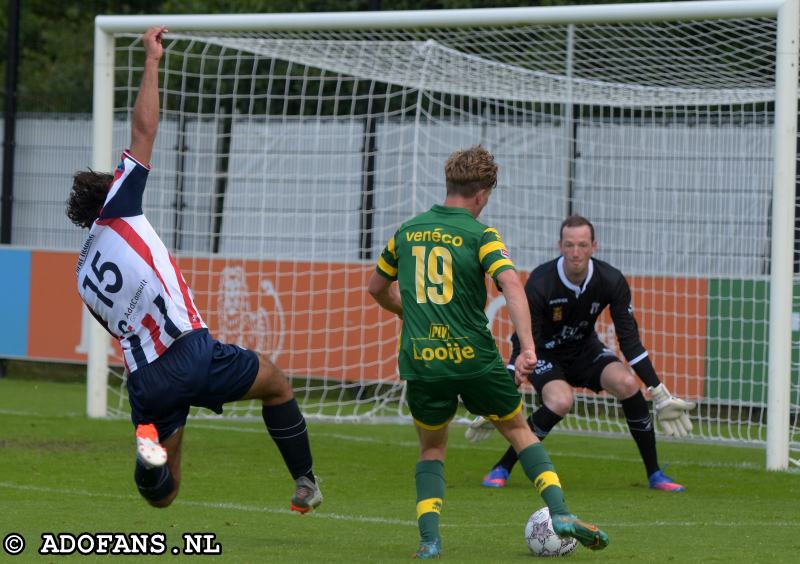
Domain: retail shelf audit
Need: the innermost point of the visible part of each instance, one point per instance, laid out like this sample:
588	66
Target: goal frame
786	12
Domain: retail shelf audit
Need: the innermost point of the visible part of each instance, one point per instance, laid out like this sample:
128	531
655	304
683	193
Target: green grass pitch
60	472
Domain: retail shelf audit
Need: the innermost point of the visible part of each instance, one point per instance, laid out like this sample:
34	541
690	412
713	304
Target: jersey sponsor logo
84	252
435	236
135	299
505	253
558	301
439	332
566	335
558	313
449	352
595	308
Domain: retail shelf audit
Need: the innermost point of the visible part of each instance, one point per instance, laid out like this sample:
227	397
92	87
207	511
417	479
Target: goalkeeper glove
671	413
479	430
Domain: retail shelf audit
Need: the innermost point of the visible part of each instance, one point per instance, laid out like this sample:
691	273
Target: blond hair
469	170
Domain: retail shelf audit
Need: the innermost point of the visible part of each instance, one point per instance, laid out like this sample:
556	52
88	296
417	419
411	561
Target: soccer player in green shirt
439	260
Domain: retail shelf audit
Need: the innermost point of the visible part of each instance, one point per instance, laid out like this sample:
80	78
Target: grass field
60	472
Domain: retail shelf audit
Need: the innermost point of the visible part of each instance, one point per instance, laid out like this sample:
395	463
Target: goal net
286	159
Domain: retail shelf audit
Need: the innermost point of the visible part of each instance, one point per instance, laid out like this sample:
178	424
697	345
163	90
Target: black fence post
10	121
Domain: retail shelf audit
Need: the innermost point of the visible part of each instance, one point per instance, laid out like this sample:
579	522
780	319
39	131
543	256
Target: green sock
429	478
540	471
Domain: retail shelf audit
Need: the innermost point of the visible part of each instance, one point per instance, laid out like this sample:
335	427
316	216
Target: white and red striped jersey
128	279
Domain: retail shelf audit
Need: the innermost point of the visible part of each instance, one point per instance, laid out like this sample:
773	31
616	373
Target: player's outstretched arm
672	413
144	123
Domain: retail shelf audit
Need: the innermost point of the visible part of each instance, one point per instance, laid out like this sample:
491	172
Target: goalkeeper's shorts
582	370
196	370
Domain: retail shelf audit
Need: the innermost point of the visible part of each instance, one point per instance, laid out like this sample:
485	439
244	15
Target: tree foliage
56	38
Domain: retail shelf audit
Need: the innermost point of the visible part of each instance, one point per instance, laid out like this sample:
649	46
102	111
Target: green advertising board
737	341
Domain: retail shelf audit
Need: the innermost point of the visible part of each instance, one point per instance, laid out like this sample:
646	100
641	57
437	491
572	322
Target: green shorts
434	403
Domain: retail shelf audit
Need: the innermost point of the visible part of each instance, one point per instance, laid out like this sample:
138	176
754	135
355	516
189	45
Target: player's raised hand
672	413
524	365
152	42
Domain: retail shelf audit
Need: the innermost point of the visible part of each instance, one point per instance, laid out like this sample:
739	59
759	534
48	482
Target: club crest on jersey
558	313
595	308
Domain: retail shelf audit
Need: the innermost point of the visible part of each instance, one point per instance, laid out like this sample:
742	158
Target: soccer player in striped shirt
439	261
134	288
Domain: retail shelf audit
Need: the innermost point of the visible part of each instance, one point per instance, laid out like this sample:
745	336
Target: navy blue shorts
196	370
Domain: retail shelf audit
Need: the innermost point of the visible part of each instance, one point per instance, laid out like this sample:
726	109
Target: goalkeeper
566	296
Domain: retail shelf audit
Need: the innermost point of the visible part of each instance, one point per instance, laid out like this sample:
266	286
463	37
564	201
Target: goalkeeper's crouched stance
566	296
557	398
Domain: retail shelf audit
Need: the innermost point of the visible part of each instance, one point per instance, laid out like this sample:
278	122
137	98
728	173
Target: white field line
375	520
413	444
496	449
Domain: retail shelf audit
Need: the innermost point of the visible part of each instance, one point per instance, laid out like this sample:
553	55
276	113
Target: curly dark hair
89	191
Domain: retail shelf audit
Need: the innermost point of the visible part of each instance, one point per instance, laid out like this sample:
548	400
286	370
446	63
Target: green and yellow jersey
440	259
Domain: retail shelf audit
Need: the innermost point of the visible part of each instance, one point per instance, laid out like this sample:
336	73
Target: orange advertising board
671	313
316	319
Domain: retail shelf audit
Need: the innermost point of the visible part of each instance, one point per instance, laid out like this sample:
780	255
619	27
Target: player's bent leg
539	469
159	484
558	396
619	381
541	422
287	428
271	385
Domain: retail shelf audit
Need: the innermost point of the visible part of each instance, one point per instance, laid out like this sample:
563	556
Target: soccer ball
542	540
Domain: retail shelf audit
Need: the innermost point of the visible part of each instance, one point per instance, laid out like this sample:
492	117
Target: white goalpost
291	147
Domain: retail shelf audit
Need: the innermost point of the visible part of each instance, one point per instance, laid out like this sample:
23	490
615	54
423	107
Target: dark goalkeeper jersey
440	259
564	315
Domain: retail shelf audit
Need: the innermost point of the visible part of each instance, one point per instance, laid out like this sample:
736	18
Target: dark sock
429	479
541	423
154	483
508	460
641	426
540	471
287	427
